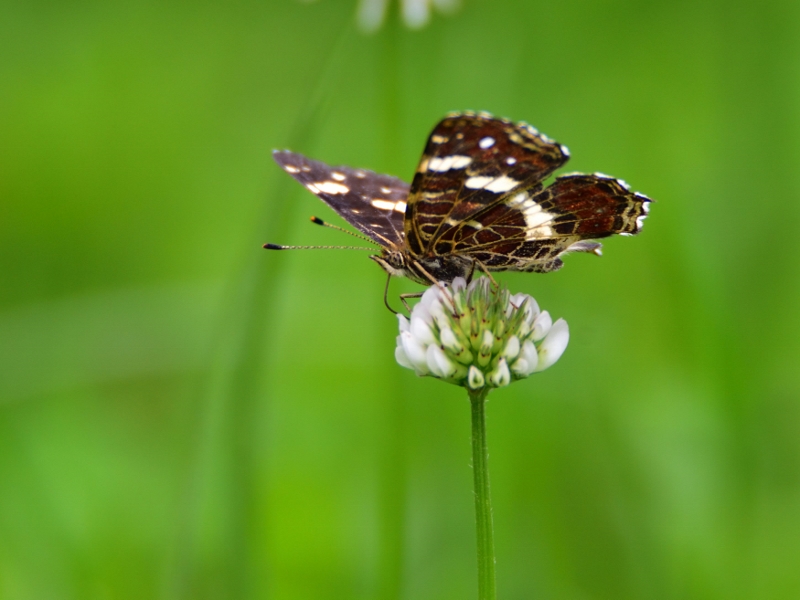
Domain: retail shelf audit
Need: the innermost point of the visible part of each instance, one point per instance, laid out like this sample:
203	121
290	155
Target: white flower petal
514	302
481	283
553	345
530	355
370	14
416	13
459	285
415	352
450	301
487	342
512	348
438	362
429	296
449	340
421	326
475	378
521	368
542	325
501	376
423	311
401	357
403	323
531	307
440	313
436	299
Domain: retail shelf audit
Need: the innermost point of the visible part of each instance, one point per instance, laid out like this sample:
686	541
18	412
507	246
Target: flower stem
487	589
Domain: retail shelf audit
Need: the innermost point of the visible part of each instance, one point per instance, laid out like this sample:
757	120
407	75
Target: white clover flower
415	13
476	336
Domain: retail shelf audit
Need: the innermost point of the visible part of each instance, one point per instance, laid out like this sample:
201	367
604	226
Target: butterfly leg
432	279
423	270
486	270
386	295
404	297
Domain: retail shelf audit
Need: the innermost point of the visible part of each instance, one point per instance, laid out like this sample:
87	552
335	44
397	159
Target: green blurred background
184	415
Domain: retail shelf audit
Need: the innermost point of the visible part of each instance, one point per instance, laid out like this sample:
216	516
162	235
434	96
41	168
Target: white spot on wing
291	169
381	204
518	199
337	176
511	160
331	187
440	164
502	184
385	190
476	183
486	142
535	218
498	185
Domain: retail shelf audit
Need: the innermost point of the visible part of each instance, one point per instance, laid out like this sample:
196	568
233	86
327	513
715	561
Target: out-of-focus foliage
184	415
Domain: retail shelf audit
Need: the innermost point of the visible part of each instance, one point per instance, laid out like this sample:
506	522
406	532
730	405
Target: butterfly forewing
373	203
471	161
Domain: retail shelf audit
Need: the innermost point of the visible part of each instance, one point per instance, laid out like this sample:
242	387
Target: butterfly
477	201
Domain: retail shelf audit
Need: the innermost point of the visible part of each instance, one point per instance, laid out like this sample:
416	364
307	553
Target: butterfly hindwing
470	162
592	206
531	228
373	203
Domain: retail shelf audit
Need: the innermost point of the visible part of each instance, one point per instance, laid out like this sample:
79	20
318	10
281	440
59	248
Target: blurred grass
185	416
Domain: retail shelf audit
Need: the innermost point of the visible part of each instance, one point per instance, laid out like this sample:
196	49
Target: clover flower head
476	335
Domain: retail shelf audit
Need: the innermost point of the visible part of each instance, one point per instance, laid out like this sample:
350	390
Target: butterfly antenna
281	247
318	221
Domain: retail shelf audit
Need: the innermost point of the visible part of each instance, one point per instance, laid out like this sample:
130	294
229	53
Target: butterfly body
422	269
477	201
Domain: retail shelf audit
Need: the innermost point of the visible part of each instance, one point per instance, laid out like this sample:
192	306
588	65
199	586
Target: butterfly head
392	261
424	269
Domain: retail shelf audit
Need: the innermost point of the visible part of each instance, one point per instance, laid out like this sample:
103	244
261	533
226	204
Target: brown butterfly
476	202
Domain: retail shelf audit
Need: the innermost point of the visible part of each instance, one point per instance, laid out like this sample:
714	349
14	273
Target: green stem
487	589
